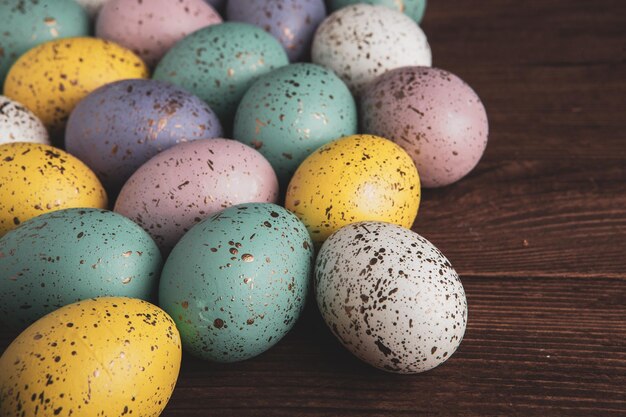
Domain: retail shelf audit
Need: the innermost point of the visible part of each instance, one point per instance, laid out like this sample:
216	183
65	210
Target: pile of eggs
145	147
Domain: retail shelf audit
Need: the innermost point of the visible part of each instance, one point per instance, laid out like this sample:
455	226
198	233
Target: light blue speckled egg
237	282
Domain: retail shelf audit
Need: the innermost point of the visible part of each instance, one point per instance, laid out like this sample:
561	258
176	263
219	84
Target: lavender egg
118	127
434	115
189	182
292	22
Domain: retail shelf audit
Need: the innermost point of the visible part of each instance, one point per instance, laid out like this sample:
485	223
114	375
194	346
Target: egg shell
361	42
191	181
92	7
237	282
292	22
53	77
36	179
121	125
18	124
151	28
110	356
413	8
434	115
292	111
220	62
390	297
26	24
356	178
69	255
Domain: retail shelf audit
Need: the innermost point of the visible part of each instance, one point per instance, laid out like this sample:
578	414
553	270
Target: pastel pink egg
191	181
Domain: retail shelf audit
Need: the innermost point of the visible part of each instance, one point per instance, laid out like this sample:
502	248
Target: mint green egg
413	8
69	255
290	112
237	282
25	24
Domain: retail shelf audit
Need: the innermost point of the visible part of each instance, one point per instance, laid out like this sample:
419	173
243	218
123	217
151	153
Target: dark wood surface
537	233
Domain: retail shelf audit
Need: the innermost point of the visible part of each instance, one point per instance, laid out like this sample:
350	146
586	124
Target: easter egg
356	178
36	179
18	124
236	283
92	7
70	255
434	115
53	77
361	42
292	22
390	297
189	182
121	125
292	111
150	28
413	8
26	24
110	356
220	62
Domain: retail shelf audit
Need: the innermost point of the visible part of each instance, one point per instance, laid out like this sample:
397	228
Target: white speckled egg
390	297
362	41
18	124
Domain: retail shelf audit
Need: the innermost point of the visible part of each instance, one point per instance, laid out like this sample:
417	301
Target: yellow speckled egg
353	179
110	356
52	78
37	178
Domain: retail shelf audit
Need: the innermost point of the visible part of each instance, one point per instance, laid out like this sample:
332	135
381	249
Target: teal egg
413	8
27	23
237	282
220	62
69	255
290	112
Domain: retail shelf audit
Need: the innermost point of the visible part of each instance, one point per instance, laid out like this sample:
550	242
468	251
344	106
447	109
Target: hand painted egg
18	124
220	62
121	125
26	24
52	78
437	118
92	6
292	22
109	356
413	8
70	255
237	282
191	181
361	42
36	179
292	111
390	297
354	179
151	28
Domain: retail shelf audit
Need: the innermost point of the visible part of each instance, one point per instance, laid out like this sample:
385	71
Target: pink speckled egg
151	28
434	115
191	181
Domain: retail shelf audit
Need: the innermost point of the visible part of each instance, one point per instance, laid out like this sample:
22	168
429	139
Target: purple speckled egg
118	127
292	22
150	28
434	115
189	182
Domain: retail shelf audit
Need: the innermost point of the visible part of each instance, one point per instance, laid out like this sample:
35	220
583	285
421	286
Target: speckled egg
92	6
413	8
220	62
151	28
37	178
361	42
292	111
28	23
435	116
191	181
52	78
18	124
110	356
237	282
69	255
292	22
118	127
356	178
390	297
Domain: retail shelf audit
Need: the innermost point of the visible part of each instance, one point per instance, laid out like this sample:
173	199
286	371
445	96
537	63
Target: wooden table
537	233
